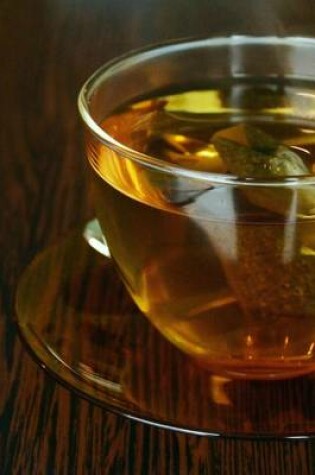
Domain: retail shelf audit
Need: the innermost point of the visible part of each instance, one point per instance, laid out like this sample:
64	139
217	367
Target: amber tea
202	158
224	271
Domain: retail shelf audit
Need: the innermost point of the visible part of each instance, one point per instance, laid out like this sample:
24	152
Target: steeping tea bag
271	269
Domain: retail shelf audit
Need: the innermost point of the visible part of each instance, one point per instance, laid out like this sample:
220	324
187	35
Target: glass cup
216	249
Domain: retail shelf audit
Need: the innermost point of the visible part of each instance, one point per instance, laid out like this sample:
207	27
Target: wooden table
48	48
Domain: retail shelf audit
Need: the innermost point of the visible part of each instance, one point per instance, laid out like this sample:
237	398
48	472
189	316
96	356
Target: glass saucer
81	326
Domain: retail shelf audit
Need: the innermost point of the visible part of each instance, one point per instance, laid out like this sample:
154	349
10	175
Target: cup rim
153	50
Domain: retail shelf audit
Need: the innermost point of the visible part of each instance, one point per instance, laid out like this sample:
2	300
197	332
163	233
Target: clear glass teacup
202	156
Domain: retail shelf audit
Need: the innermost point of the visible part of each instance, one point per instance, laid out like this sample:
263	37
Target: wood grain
47	49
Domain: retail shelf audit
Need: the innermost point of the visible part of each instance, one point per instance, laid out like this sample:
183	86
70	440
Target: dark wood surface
47	49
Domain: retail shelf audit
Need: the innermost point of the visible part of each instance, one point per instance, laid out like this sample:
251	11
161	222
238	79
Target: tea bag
272	270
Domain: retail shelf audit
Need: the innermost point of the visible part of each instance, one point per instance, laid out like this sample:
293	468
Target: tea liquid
229	279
